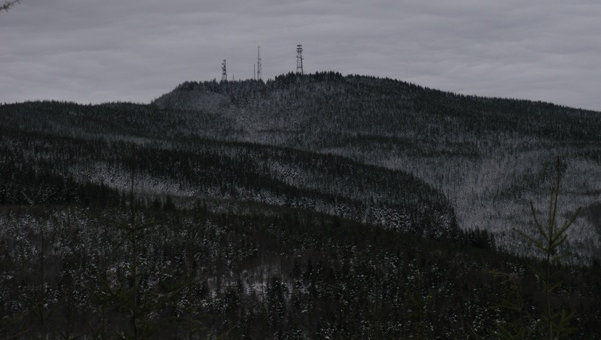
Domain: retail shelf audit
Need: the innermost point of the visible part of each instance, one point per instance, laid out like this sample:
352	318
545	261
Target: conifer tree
549	239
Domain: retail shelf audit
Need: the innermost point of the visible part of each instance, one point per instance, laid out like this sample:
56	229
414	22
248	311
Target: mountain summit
489	156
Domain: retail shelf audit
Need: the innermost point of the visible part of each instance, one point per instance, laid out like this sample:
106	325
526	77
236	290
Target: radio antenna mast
299	59
259	65
223	71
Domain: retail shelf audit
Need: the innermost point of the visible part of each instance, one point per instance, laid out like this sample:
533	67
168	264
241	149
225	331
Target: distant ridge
488	157
331	76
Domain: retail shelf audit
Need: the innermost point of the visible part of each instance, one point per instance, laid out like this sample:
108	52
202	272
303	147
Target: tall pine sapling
548	240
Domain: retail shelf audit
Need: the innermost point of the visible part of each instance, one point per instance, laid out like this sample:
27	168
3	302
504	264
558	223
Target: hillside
308	206
489	156
48	169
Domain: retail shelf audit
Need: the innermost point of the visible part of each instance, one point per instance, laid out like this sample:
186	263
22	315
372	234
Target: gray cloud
92	51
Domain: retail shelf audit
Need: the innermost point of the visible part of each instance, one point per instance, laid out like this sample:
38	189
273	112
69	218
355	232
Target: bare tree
6	5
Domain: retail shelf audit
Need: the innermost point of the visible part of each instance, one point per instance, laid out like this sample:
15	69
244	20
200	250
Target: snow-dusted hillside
489	156
47	168
316	206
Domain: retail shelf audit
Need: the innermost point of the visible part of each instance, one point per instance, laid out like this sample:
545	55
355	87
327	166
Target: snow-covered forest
302	207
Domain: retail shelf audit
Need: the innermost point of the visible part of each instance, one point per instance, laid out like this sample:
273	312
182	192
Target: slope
489	156
43	168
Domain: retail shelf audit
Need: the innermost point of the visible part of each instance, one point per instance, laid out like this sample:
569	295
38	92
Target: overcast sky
135	50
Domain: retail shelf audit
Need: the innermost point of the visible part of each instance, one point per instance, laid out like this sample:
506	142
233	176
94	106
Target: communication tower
259	65
223	71
299	59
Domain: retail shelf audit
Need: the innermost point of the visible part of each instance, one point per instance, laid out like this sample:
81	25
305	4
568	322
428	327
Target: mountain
489	156
313	206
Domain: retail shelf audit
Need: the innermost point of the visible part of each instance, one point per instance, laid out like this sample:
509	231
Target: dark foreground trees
195	273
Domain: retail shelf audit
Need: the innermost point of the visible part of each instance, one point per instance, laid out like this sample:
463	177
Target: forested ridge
302	207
